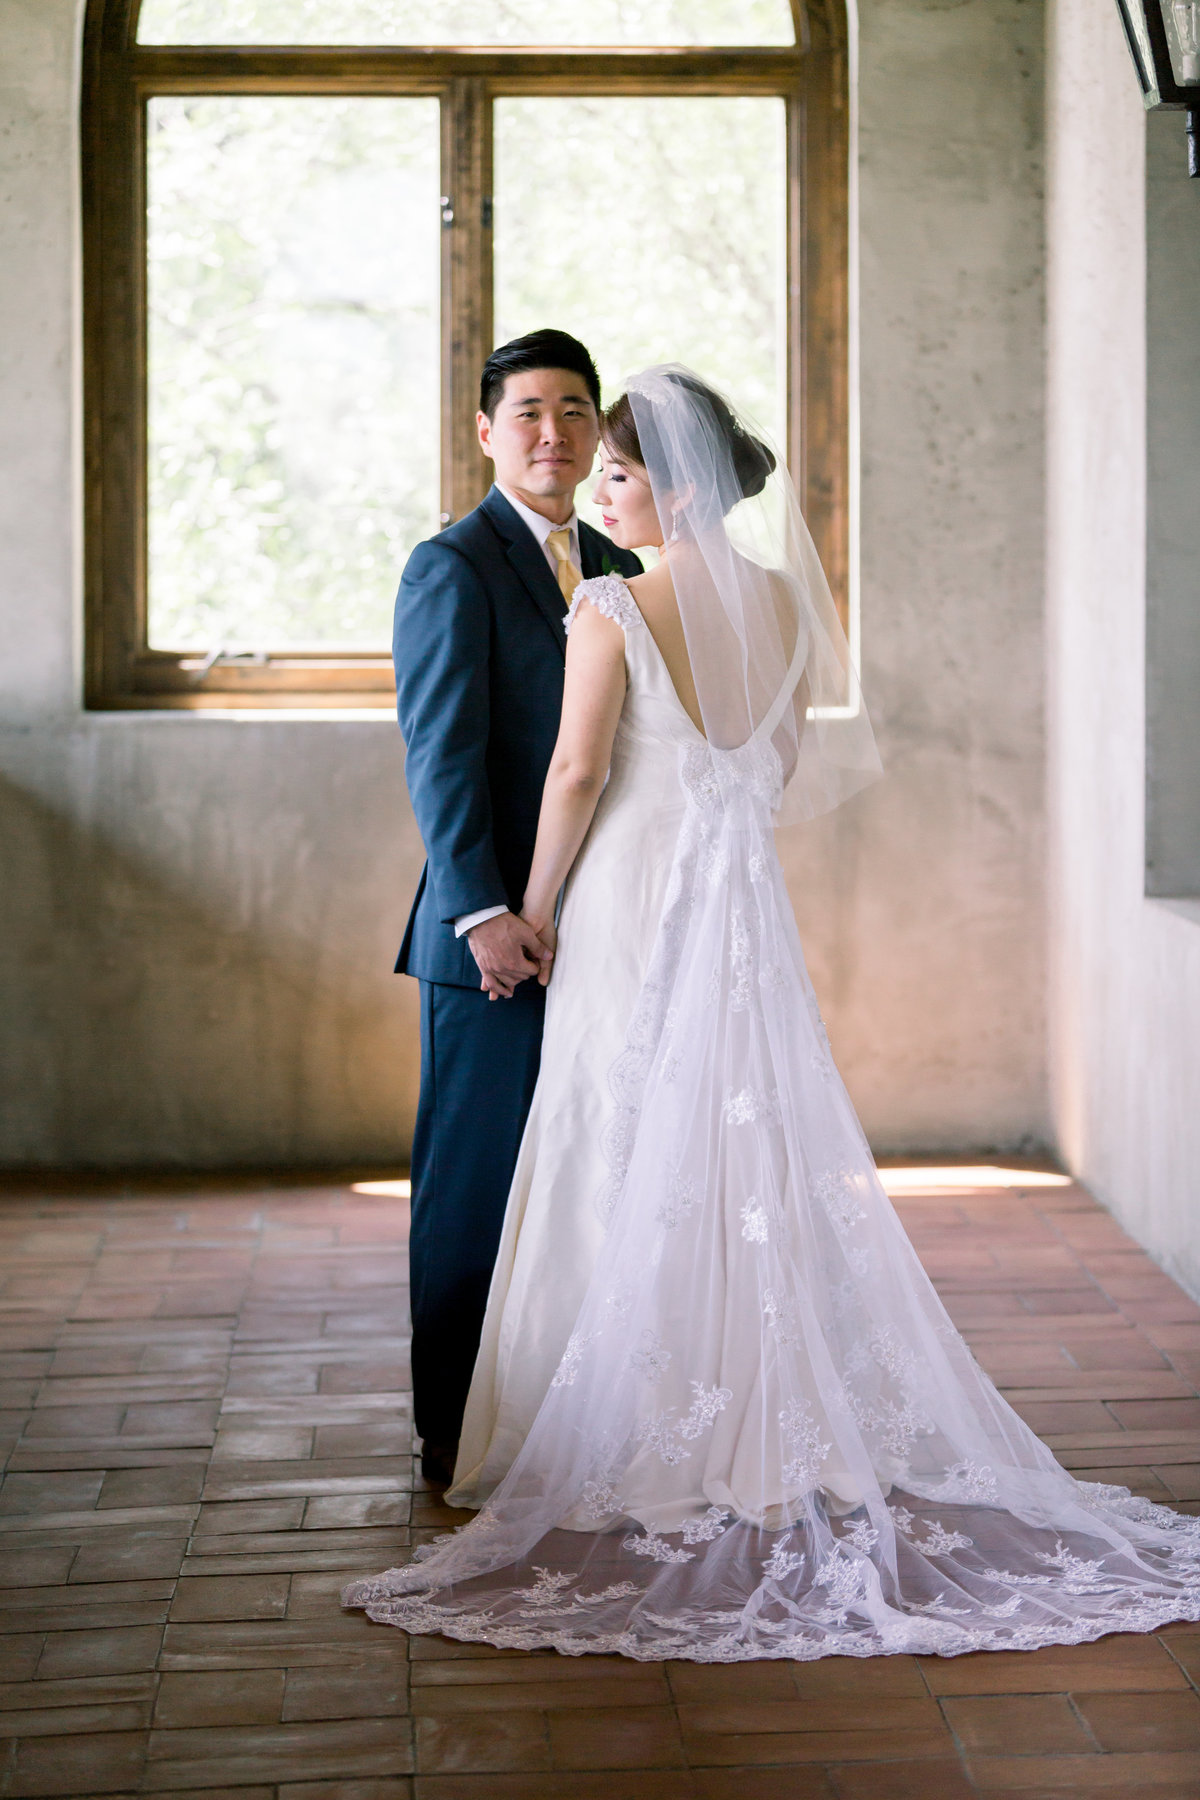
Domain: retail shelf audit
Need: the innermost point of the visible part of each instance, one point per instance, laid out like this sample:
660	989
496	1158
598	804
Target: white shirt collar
542	527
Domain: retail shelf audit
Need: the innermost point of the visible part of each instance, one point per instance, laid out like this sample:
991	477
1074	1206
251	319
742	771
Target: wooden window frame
120	76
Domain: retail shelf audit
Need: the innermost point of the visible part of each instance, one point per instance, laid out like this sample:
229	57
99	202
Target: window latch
223	654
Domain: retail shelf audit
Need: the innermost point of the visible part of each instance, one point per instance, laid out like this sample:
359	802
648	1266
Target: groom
478	648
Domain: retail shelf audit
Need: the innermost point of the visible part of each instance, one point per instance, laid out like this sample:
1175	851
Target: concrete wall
199	915
924	923
1124	969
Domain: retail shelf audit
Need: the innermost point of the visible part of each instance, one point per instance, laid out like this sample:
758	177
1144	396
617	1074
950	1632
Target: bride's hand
549	937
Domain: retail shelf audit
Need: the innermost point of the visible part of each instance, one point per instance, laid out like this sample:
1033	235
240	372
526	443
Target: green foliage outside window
294	358
465	22
293	366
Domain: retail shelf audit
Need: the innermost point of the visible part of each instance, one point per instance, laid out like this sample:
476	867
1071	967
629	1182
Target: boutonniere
607	565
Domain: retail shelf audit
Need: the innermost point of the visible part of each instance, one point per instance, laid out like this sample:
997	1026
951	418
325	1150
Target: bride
719	1412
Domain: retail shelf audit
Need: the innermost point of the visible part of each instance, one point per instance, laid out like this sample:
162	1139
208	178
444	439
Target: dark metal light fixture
1164	41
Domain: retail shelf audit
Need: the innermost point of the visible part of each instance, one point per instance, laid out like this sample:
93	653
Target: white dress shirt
541	529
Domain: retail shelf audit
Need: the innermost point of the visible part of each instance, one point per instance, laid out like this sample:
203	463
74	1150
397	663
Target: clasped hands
509	949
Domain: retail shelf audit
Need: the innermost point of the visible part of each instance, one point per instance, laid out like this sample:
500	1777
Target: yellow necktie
568	575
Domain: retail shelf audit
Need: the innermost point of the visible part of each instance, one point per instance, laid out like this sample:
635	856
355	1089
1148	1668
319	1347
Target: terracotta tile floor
205	1426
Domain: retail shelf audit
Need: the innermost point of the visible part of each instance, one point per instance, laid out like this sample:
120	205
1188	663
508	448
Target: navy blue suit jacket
479	648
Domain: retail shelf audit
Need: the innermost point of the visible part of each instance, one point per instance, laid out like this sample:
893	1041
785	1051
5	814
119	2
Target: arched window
306	223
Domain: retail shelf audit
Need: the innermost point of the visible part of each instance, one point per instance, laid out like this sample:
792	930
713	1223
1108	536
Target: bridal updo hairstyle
752	460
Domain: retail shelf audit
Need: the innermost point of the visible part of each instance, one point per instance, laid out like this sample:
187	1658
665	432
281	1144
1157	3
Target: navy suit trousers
479	1064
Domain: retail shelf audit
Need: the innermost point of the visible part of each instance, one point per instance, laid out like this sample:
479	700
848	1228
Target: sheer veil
767	648
765	1437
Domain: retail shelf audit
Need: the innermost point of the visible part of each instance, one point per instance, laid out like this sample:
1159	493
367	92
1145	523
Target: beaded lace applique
610	596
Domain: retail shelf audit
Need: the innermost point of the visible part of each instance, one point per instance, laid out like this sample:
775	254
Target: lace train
766	1437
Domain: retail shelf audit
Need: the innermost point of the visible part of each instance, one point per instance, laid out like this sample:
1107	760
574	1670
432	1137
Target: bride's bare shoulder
654	591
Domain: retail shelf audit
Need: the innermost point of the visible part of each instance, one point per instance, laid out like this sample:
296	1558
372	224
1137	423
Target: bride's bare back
655	596
658	605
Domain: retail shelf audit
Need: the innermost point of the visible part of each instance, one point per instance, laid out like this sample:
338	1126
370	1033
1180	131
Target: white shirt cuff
465	921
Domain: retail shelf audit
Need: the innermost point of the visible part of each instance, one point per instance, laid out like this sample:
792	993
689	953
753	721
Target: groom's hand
508	951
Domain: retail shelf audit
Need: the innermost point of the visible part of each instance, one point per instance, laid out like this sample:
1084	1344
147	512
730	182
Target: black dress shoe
437	1463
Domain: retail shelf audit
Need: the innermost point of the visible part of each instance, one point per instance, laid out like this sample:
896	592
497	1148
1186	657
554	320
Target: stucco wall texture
198	916
1124	987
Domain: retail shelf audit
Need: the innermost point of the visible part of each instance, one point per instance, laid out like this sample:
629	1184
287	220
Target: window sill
1184	909
155	681
250	715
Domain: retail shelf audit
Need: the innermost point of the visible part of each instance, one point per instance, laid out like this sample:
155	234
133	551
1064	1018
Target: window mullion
466	286
822	220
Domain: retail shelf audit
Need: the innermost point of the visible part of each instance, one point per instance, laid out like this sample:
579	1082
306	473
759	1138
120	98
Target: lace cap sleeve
610	596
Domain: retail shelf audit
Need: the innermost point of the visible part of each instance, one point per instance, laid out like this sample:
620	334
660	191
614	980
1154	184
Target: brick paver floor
206	1431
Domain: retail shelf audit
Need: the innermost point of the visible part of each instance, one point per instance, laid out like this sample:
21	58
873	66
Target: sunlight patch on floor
938	1177
920	1179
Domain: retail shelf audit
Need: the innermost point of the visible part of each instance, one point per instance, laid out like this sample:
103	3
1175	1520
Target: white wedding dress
610	915
719	1412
